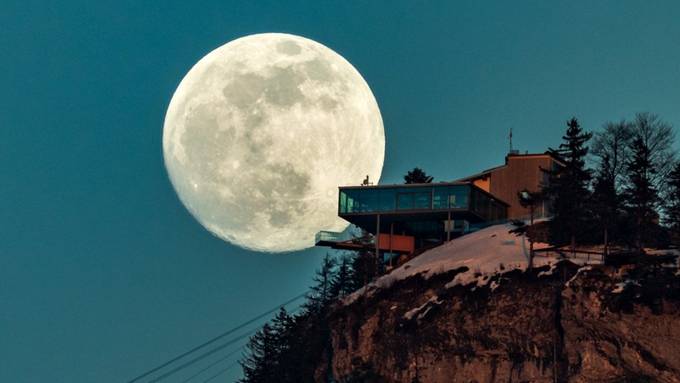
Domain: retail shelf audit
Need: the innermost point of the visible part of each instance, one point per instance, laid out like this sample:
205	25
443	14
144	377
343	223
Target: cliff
558	322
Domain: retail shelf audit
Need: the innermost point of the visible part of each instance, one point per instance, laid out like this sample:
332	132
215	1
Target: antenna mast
510	139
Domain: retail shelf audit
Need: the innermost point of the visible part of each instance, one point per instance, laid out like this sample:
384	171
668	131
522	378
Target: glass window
369	199
351	201
343	202
387	199
458	197
423	200
440	198
405	201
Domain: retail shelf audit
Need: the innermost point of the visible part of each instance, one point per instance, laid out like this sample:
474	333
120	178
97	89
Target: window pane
440	198
343	202
405	201
422	200
351	201
387	199
458	197
369	198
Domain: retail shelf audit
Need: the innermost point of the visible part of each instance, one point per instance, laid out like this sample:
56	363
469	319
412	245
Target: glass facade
418	198
486	207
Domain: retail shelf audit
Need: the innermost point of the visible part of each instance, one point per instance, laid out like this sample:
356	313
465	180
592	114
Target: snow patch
553	266
494	285
621	286
489	251
423	309
582	269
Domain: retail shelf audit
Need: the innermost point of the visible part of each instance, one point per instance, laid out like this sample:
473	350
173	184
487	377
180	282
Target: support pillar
391	234
448	226
377	245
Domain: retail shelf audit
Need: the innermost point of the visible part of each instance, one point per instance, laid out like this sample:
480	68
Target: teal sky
104	274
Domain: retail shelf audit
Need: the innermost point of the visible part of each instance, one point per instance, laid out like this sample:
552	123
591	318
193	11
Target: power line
200	357
215	339
221	372
225	357
216	362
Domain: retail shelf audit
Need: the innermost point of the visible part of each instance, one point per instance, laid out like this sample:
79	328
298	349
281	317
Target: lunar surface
261	132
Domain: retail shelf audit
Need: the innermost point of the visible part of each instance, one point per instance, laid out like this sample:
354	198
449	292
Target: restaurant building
405	219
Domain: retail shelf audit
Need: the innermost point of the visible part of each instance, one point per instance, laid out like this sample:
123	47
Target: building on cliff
404	219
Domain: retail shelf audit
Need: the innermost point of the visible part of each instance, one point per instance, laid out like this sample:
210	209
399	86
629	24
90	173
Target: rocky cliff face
560	324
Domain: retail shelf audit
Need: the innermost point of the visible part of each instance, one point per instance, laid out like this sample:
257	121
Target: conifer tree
342	283
321	292
260	363
363	269
285	346
605	200
641	196
567	189
417	176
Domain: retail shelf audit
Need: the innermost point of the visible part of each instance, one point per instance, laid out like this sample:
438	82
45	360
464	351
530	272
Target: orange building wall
520	172
402	243
482	183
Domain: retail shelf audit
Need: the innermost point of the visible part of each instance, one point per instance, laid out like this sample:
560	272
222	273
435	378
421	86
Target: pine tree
289	349
284	346
417	176
673	202
342	283
321	294
605	200
260	363
567	189
363	269
641	196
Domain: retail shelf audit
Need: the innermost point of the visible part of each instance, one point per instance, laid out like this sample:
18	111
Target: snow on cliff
485	252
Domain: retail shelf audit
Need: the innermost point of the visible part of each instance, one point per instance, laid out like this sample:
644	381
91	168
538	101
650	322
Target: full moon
261	132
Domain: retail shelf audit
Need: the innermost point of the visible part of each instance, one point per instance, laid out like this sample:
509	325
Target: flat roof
451	183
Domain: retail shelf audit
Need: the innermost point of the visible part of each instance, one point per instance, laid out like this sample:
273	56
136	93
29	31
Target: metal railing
584	257
332	236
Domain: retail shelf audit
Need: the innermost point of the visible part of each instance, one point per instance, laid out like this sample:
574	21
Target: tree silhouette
567	188
605	201
417	176
641	196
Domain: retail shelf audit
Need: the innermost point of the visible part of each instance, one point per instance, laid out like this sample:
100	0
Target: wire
216	362
211	341
221	372
231	353
199	358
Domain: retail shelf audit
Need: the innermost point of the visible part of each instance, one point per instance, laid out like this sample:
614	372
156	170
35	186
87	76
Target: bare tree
611	148
658	137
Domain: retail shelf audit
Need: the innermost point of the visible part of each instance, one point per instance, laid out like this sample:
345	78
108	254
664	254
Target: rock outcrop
561	324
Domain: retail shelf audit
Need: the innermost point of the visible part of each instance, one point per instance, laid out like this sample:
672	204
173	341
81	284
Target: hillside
468	311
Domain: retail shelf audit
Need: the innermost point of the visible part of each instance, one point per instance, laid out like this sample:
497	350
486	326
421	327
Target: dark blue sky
104	274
